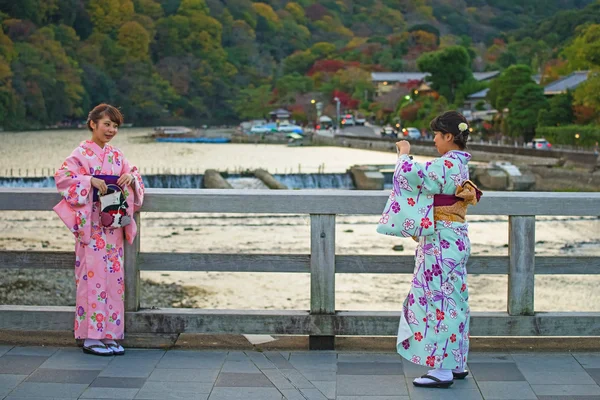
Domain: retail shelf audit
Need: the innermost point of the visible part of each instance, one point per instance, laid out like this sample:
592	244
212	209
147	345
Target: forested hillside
219	61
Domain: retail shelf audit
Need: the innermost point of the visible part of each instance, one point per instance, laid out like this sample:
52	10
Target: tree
584	52
560	111
524	108
503	88
108	15
588	93
299	62
135	40
449	68
253	102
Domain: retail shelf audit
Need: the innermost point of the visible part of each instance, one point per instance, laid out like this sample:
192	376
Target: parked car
267	128
360	120
348	120
411	133
289	128
388	131
540	144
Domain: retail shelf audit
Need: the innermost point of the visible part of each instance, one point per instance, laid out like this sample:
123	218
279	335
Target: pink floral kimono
99	264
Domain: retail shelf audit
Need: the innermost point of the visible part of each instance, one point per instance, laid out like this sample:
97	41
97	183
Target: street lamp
312	101
337	112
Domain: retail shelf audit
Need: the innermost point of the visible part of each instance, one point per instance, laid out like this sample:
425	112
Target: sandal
460	375
116	348
437	383
90	350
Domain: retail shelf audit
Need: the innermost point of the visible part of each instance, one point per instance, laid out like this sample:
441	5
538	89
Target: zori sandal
435	382
460	375
96	349
115	347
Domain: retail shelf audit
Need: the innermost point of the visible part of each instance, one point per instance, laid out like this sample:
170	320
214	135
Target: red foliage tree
329	66
346	101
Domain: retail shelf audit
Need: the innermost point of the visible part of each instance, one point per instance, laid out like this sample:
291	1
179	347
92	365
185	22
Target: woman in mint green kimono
429	203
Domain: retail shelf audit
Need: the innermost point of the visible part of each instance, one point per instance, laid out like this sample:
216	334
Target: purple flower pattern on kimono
434	325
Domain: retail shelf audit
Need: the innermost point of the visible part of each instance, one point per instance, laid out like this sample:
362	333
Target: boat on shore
182	134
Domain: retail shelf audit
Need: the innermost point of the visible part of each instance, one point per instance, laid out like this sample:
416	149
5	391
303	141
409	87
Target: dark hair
448	122
104	110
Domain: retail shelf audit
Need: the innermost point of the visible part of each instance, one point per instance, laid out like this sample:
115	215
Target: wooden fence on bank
322	322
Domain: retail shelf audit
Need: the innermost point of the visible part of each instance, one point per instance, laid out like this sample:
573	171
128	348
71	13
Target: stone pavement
68	373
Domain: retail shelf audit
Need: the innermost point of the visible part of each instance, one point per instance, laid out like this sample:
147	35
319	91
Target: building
387	81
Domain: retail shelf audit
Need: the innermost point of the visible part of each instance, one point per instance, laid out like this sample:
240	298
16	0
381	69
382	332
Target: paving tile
11	397
278	360
321	361
317	375
147	354
292	394
567	397
179	359
370	357
109	393
312	394
506	391
490	357
594	373
4	349
495	372
250	393
63	376
561	390
417	393
133	362
71	358
540	369
58	390
588	360
124	383
277	379
230	379
32	351
174	390
413	370
240	366
373	398
297	379
184	375
327	388
128	372
366	368
236	356
259	359
9	382
20	365
371	385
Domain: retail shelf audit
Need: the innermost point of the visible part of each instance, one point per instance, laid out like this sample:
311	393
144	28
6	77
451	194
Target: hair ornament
462	127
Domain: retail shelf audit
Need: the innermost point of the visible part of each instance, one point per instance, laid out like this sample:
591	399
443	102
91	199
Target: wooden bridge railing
322	322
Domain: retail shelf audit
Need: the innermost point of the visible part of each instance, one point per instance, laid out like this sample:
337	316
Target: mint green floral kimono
434	326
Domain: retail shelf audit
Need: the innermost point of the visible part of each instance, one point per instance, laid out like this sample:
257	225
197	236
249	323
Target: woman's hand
125	180
403	147
100	185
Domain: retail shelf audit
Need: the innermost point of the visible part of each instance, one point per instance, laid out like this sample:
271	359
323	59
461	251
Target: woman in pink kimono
99	275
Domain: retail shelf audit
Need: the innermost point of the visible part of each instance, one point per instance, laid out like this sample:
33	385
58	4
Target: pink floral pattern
99	276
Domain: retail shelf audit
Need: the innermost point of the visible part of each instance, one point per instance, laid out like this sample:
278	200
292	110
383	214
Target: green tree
135	40
299	62
524	109
253	102
560	111
449	68
503	88
584	52
108	15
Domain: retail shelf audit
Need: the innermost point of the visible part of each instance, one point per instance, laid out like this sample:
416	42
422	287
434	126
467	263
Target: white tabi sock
444	375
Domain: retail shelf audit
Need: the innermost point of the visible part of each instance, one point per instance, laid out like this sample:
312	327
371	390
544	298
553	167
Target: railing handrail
323	321
319	201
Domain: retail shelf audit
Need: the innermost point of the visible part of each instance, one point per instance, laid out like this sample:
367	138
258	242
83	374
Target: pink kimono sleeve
137	187
74	185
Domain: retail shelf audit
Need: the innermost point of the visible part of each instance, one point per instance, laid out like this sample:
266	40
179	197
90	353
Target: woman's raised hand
100	185
403	147
125	180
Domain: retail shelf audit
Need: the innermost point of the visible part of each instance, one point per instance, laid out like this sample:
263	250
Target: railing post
521	274
322	275
132	272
